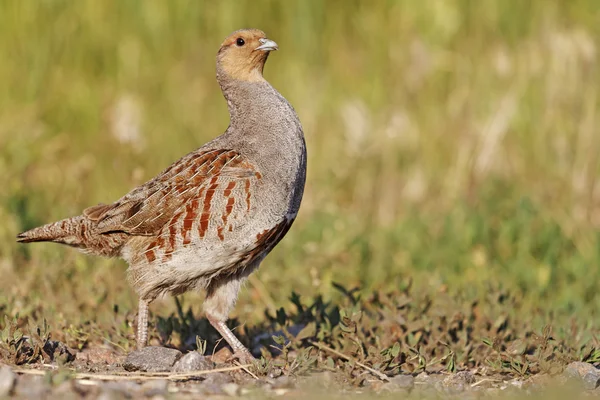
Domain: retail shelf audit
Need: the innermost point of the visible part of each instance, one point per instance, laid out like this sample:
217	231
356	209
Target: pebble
222	356
152	359
192	361
7	381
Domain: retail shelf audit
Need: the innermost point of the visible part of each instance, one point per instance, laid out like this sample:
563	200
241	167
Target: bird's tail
66	231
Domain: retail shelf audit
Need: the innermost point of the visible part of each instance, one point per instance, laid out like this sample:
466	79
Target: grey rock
7	381
192	361
152	359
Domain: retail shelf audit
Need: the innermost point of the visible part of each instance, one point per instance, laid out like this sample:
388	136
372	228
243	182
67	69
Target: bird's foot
244	356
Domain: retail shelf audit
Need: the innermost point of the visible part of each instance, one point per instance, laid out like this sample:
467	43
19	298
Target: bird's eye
240	42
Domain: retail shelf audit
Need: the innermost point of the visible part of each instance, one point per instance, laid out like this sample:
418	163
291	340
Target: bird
206	222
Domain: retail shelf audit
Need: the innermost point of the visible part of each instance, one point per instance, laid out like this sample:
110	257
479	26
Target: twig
142	376
378	374
246	369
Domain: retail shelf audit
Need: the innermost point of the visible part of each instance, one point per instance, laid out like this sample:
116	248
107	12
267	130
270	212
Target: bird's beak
267	45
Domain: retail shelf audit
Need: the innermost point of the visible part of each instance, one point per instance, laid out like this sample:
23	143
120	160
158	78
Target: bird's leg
239	350
220	299
142	324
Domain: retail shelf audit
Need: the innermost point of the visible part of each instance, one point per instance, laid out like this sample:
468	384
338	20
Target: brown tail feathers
65	231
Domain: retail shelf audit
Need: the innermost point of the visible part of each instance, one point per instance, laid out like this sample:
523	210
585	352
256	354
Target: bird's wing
146	209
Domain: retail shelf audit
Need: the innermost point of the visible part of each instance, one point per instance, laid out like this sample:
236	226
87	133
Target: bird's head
243	54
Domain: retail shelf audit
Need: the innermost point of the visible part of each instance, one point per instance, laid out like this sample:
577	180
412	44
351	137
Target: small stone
230	389
222	356
192	361
152	359
7	381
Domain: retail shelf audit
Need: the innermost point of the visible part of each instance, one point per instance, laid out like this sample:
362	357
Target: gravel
464	384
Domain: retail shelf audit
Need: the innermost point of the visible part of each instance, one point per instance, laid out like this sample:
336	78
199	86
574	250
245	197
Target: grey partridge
208	220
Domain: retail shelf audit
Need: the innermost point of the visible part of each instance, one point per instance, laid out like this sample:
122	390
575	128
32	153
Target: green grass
454	143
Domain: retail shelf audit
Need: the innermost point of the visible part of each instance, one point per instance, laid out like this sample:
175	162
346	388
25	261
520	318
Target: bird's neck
247	99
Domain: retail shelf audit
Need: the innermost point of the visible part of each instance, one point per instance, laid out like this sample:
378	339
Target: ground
450	220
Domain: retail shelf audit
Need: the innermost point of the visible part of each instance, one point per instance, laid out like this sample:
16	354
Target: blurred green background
455	143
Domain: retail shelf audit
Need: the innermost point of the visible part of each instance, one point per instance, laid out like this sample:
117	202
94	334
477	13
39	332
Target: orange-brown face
243	54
